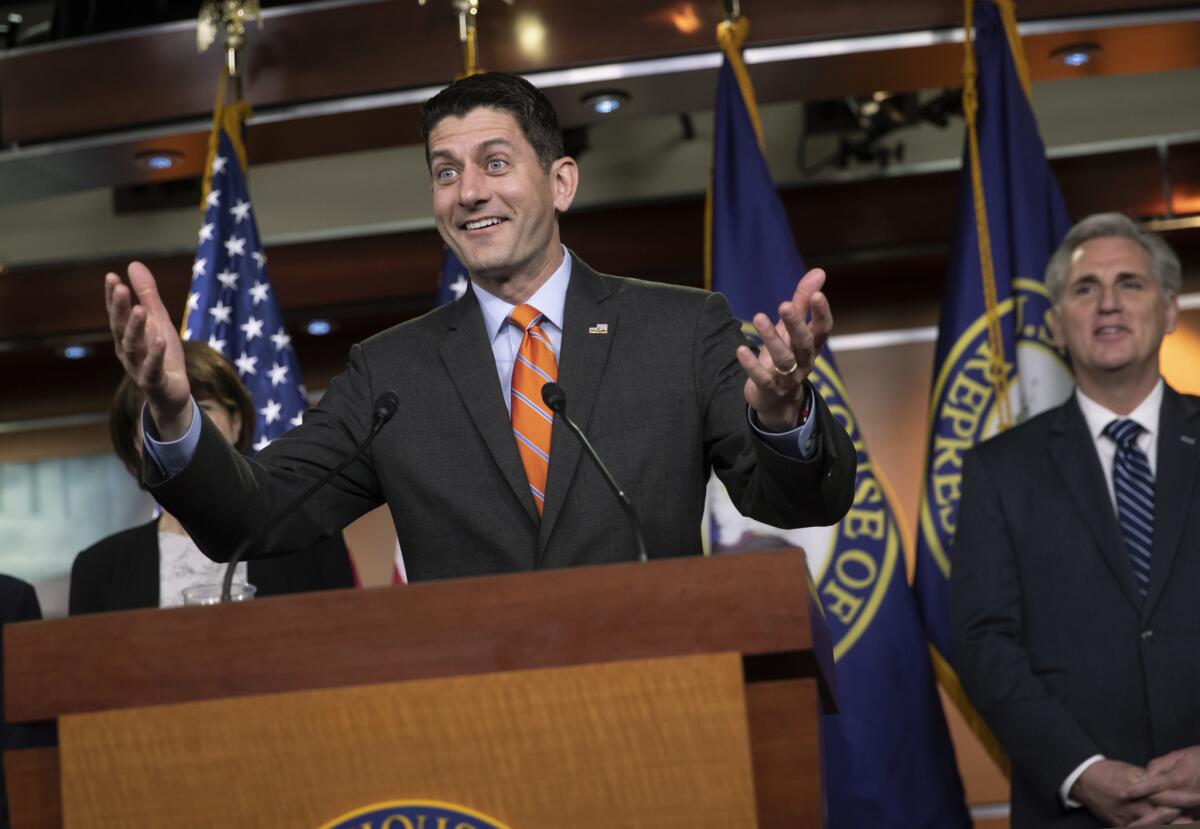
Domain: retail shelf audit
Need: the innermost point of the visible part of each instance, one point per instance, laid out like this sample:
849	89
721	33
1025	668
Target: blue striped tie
1134	486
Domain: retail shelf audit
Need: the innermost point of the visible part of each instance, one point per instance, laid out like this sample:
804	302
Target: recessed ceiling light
319	328
157	160
605	103
531	36
1076	54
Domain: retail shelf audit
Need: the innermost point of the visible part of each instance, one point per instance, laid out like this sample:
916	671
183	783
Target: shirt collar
550	299
1145	415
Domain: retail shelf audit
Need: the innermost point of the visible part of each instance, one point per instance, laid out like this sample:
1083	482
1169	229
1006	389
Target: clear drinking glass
201	594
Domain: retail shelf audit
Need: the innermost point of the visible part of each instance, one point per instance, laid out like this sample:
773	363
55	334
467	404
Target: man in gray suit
1077	557
651	372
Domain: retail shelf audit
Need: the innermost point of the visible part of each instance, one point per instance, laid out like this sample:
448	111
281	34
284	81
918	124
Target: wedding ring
783	373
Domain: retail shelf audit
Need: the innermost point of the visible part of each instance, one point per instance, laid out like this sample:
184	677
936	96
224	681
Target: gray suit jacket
659	394
1053	644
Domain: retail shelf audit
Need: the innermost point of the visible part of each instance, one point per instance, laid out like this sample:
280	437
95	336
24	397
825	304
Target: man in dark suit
1077	557
479	475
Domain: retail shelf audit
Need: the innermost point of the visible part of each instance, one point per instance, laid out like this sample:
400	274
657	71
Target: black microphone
385	406
556	399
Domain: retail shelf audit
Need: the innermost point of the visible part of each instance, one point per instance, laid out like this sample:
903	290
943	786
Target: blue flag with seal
231	304
995	362
887	757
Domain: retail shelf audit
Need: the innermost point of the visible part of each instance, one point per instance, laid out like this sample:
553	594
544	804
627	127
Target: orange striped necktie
531	419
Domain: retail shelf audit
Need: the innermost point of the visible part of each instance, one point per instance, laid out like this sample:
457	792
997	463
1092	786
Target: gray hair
1163	261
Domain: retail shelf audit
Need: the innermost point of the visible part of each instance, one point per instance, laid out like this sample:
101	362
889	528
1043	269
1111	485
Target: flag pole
731	36
227	18
997	371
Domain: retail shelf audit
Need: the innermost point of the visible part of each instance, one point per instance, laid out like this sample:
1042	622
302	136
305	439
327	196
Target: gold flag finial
467	11
232	15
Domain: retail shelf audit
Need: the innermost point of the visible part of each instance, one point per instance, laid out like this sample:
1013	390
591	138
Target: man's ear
564	179
1056	328
1172	313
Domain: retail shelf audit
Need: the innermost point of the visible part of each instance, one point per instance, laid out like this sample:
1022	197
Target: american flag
231	304
452	281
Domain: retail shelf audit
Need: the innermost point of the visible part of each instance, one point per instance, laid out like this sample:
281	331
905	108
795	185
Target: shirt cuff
799	443
1065	790
170	456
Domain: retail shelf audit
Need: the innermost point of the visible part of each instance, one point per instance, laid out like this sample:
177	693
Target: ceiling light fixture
1075	54
531	36
157	160
607	102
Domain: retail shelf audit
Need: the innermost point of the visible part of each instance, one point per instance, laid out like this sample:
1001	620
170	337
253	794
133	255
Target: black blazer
120	572
650	373
18	603
1053	644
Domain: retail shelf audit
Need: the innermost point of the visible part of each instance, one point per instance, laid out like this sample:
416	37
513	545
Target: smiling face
1112	316
494	204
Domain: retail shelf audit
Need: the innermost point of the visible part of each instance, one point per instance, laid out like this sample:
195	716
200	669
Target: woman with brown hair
149	565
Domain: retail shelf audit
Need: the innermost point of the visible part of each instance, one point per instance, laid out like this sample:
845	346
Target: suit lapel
1074	453
143	583
582	358
468	358
1174	479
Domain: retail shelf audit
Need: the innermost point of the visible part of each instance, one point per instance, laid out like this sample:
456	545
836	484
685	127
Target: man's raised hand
148	347
775	386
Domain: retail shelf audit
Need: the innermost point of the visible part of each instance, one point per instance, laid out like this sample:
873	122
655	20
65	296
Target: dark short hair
507	93
211	378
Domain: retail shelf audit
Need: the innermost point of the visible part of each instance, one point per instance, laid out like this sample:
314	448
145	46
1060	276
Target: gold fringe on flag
946	675
997	369
231	118
731	35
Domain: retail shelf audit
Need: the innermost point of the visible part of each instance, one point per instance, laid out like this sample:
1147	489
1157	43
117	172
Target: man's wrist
170	426
789	424
170	457
798	442
1064	791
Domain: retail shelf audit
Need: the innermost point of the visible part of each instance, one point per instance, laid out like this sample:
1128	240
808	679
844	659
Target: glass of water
201	594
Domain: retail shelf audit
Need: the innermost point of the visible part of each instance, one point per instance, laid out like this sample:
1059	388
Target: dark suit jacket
18	603
660	395
1053	644
120	572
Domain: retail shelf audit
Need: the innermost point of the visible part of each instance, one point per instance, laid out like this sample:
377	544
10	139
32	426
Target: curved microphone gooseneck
385	406
556	399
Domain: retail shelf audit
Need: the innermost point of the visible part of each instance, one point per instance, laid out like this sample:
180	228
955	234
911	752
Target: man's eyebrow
479	149
493	142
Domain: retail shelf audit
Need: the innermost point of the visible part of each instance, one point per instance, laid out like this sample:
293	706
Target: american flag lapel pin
599	328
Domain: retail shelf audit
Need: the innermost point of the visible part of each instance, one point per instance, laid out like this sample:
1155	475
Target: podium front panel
653	743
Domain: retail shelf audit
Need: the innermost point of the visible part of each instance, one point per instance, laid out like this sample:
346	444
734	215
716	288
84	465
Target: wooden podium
684	692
